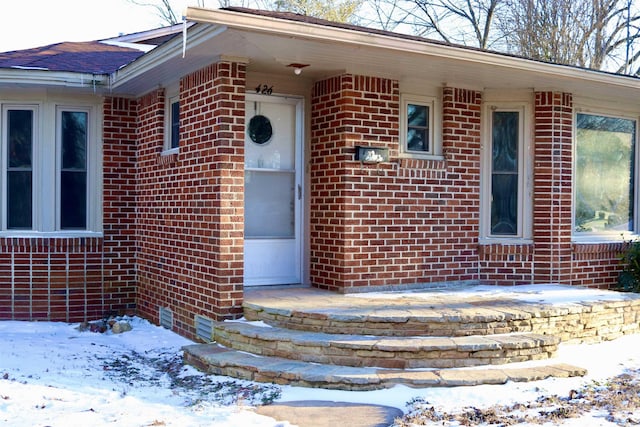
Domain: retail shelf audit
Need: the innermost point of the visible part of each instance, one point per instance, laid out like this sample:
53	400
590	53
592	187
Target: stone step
393	322
384	351
577	316
218	360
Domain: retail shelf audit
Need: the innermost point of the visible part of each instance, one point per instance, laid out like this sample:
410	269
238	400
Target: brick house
162	173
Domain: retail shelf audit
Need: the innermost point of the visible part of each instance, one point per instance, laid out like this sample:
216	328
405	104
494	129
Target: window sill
170	151
50	234
604	238
485	241
436	157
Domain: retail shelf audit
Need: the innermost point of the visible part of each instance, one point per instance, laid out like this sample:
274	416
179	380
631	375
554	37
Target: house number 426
264	89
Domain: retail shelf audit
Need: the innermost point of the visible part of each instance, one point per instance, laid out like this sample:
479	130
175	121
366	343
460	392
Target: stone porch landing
436	337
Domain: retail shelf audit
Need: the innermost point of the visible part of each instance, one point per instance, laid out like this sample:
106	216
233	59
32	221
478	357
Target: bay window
49	181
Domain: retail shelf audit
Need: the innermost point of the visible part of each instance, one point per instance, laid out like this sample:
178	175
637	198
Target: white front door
273	191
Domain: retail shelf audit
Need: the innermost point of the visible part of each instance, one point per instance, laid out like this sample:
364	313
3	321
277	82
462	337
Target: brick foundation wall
399	223
191	205
52	279
596	265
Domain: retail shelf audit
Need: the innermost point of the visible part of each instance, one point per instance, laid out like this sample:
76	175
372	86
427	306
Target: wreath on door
260	130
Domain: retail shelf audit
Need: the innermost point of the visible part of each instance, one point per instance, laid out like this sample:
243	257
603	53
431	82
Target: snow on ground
544	294
51	374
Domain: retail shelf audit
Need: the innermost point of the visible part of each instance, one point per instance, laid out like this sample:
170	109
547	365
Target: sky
34	23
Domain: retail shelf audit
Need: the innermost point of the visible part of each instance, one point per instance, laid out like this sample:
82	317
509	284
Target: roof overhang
26	77
168	62
270	43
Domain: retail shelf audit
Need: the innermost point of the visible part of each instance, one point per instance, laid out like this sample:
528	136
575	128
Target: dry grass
618	398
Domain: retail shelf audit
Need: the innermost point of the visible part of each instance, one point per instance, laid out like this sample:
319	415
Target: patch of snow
548	294
53	374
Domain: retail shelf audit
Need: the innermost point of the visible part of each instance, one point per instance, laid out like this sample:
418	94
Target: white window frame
172	95
435	126
46	173
525	174
613	235
91	214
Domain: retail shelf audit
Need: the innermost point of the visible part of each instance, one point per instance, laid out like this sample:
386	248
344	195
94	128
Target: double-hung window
604	189
49	164
506	173
420	127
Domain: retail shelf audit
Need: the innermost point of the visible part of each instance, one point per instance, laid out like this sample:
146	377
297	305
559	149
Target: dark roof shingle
83	57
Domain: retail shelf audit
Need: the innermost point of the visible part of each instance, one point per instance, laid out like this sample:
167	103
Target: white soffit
328	48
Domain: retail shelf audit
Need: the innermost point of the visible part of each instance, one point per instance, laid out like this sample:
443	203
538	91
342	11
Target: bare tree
589	33
162	8
167	14
332	10
598	34
466	22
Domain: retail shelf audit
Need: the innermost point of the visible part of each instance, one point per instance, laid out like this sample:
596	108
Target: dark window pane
417	128
73	205
20	130
504	173
604	173
74	140
175	125
73	175
417	115
19	200
19	169
504	205
505	141
417	140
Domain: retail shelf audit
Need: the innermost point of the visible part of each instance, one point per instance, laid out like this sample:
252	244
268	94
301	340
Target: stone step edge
500	322
217	360
384	351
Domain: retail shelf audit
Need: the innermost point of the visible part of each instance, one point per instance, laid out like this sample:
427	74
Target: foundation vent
204	328
166	317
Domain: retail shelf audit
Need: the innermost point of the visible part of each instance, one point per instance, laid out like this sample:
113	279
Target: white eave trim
146	35
278	26
165	52
18	76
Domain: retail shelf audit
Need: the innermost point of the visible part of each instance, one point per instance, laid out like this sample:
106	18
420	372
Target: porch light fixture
297	67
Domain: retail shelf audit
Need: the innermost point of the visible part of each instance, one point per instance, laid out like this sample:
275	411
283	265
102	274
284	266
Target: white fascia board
17	76
145	35
283	27
170	50
137	46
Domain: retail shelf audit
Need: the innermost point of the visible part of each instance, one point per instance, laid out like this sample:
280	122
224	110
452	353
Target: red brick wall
596	265
119	204
552	204
398	223
191	204
506	264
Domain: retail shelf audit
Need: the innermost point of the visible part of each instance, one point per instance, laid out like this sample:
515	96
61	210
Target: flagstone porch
430	337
